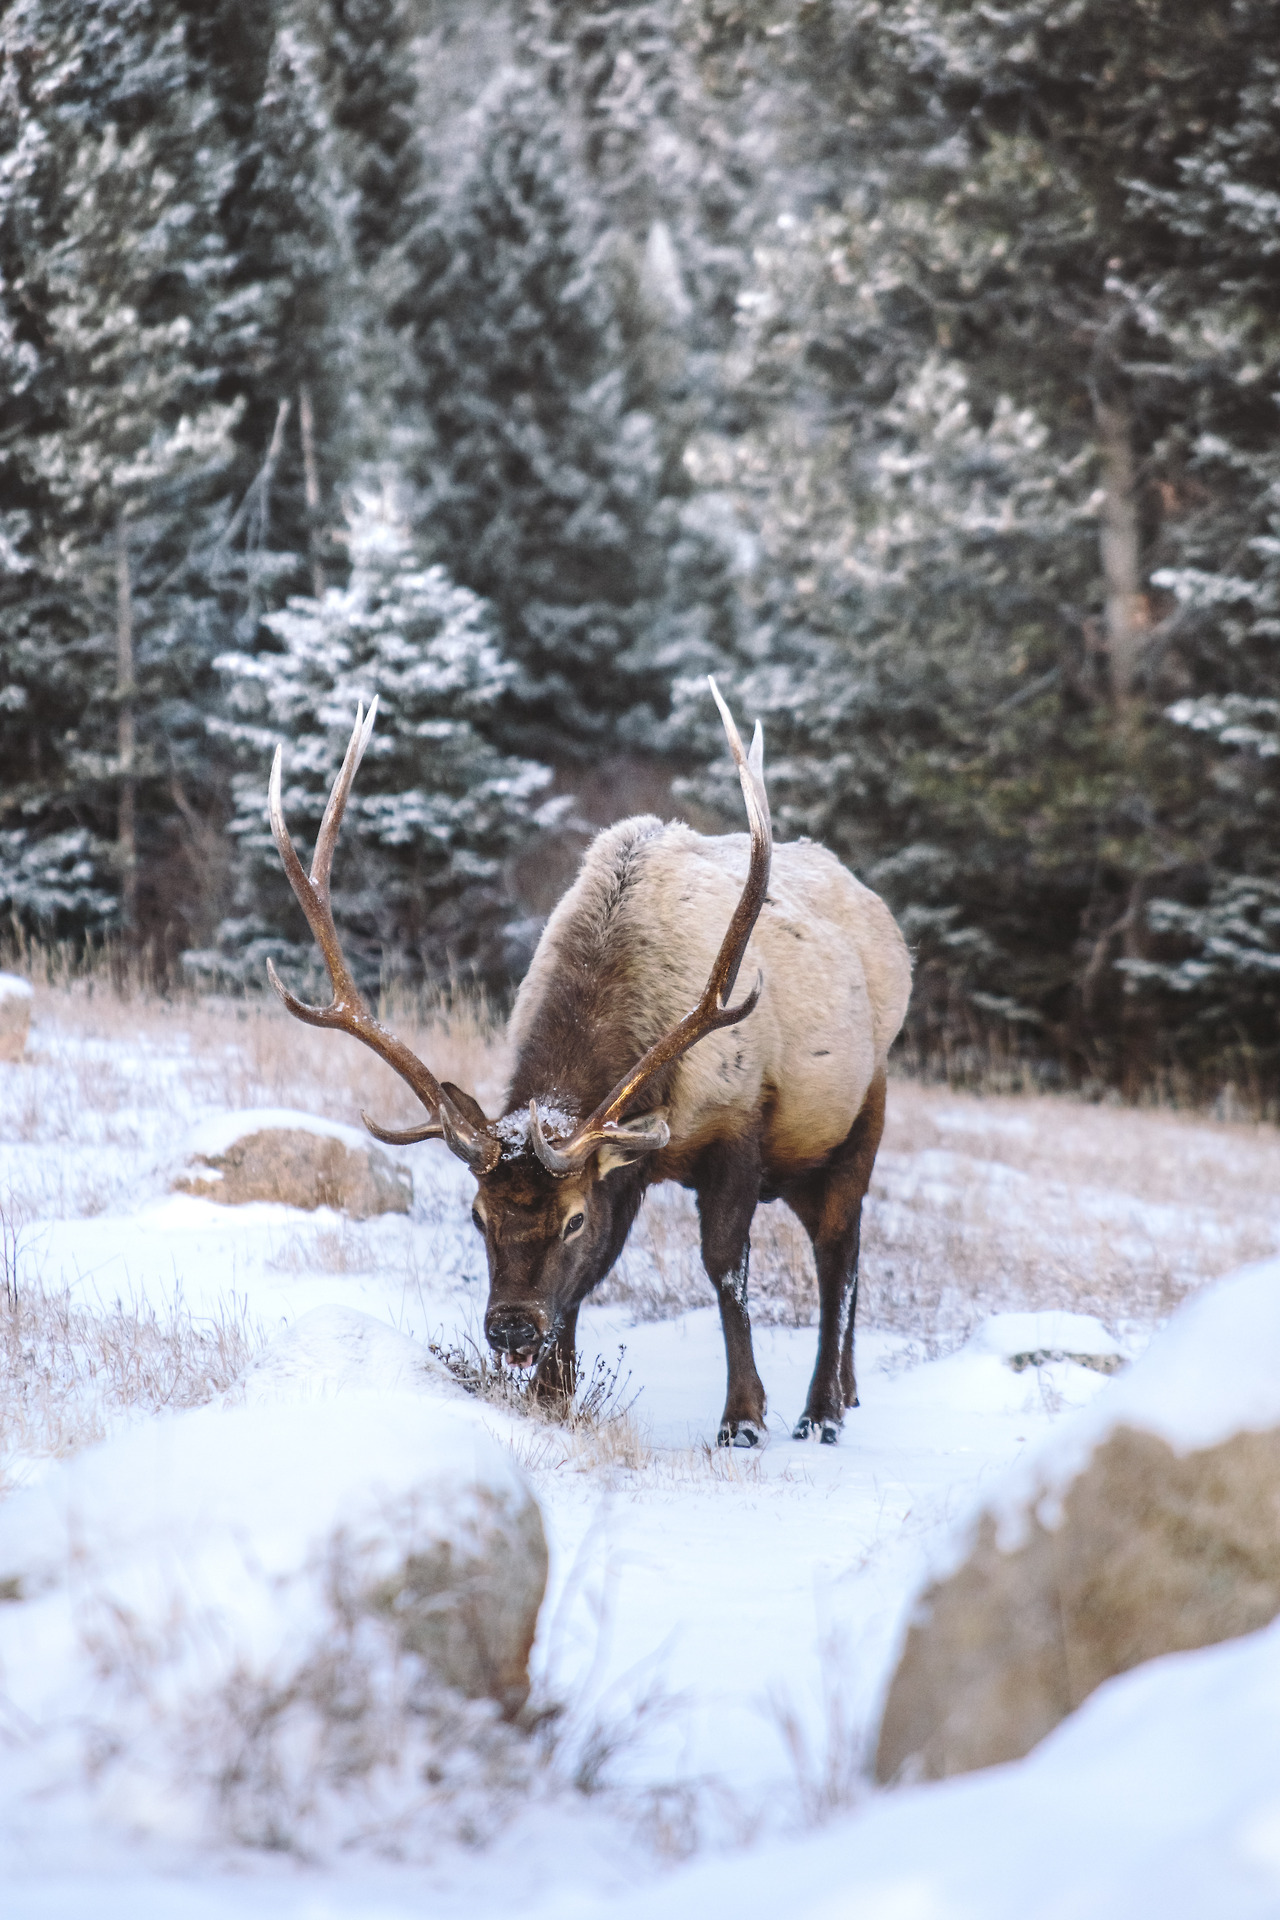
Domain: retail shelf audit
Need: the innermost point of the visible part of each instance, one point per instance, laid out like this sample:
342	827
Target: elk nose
515	1330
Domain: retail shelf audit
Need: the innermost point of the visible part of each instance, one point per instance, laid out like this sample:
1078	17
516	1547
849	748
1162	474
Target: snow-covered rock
1149	1524
1038	1339
264	1588
294	1159
1159	1797
15	1015
333	1350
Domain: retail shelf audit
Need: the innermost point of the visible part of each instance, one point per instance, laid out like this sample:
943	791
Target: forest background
911	365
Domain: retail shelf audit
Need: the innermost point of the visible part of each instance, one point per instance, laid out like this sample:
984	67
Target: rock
15	1015
1150	1525
259	1534
1025	1340
294	1160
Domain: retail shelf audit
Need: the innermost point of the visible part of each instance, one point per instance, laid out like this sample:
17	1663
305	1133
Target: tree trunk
126	829
1128	613
311	481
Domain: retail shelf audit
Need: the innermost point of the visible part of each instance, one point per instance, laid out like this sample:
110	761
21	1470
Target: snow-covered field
719	1626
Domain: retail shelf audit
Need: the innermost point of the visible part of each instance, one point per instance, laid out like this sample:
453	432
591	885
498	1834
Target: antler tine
747	912
403	1136
330	825
712	1011
346	1010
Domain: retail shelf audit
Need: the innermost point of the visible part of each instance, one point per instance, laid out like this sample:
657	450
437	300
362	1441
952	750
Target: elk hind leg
728	1186
829	1204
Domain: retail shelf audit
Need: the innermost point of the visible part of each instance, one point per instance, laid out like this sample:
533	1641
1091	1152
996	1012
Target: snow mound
218	1134
1159	1796
233	1620
1023	1339
14	987
333	1350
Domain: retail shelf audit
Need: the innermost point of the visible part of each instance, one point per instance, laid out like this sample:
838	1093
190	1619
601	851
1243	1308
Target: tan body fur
837	977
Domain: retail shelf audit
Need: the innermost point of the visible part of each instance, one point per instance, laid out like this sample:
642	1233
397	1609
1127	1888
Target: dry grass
597	1435
68	1375
979	1202
243	1053
986	1204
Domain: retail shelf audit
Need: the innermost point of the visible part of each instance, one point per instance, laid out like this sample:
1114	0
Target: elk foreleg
829	1204
555	1378
728	1187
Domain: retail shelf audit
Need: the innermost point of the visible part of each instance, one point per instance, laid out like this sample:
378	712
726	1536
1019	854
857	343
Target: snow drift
253	1618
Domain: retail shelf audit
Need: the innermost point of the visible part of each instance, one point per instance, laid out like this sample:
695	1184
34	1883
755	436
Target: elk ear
613	1155
469	1109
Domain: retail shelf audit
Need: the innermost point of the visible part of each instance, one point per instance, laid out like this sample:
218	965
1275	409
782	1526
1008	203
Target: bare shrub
596	1431
343	1739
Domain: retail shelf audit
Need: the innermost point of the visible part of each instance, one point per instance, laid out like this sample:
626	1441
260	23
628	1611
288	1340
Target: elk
633	1065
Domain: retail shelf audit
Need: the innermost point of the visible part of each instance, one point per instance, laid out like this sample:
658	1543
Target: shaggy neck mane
585	1026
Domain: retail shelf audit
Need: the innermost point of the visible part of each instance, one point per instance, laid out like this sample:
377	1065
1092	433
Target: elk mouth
516	1336
527	1358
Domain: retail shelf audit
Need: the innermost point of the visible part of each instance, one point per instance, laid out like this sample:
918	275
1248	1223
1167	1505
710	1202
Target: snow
281	1477
1160	1796
14	987
1011	1335
332	1350
725	1623
219	1133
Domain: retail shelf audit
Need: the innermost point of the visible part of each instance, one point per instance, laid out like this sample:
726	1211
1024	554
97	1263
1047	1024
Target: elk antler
347	1011
712	1011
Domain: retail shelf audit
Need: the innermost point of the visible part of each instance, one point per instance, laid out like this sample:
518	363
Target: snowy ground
719	1626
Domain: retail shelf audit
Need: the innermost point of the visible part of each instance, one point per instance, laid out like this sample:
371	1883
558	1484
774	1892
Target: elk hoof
738	1433
828	1431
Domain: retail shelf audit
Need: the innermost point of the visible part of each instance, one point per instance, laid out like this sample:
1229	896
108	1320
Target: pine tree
541	479
981	722
290	227
438	813
116	453
367	64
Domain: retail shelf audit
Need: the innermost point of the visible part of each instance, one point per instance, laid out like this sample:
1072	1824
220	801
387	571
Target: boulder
277	1155
260	1535
15	1015
1150	1524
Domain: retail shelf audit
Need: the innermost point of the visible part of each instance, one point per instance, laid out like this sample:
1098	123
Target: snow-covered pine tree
116	457
290	226
368	70
540	477
1017	224
438	813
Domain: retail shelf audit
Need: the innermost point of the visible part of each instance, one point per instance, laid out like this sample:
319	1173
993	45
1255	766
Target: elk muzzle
520	1331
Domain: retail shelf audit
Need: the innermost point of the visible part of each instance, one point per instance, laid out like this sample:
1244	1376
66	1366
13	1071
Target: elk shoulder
628	950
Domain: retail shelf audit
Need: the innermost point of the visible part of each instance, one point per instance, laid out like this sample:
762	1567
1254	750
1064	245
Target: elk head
556	1195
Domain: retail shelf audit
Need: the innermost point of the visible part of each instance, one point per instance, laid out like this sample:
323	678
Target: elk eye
477	1220
572	1224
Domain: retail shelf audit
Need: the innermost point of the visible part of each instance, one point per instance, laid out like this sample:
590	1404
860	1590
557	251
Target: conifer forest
911	365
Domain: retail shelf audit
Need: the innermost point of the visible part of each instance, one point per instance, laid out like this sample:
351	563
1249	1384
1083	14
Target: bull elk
633	1065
